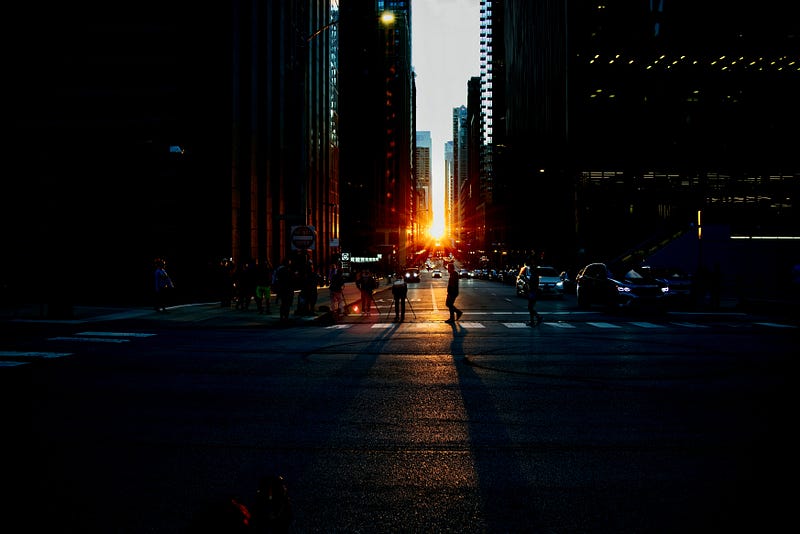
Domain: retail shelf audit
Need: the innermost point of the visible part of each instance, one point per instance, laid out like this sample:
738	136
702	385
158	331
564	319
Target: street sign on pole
303	237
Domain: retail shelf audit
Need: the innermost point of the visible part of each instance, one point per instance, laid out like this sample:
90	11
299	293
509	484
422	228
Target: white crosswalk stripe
90	339
102	337
11	358
646	325
560	325
603	325
114	334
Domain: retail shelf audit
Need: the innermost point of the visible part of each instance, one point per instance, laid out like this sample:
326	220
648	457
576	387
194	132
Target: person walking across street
452	293
533	293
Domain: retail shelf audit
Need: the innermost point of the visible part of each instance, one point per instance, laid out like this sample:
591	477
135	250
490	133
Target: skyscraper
376	134
424	206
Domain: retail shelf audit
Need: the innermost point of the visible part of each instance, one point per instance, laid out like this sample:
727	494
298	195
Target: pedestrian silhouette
163	286
452	294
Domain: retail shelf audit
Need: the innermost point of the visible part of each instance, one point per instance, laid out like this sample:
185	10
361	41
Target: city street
591	422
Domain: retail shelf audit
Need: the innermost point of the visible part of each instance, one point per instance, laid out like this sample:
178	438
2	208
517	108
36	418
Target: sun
436	231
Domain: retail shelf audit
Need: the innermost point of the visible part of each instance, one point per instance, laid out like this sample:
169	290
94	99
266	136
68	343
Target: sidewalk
195	314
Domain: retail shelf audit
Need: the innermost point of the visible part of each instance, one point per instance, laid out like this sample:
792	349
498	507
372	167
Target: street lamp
387	18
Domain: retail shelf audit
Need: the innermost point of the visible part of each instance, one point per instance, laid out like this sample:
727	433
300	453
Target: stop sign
303	237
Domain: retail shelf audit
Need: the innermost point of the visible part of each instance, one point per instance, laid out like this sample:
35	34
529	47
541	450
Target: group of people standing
258	281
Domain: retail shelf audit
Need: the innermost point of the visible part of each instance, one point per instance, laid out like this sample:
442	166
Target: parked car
437	273
550	282
411	275
595	284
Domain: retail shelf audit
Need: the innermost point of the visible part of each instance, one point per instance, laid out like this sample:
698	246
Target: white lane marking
559	325
691	325
515	325
91	339
776	325
114	334
33	355
470	324
433	300
603	325
338	326
646	324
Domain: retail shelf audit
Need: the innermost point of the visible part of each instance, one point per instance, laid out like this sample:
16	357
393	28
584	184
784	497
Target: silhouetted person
399	294
452	294
163	286
337	293
263	286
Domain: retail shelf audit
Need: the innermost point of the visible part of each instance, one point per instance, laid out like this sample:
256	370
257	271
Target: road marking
776	325
691	325
91	339
515	325
471	324
338	326
17	358
33	355
433	300
603	325
560	325
114	334
646	324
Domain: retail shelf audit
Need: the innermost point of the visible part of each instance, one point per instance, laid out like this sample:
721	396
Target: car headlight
664	290
623	289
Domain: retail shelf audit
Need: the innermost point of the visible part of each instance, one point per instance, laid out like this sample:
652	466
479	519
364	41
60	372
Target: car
595	284
437	273
679	281
411	275
550	282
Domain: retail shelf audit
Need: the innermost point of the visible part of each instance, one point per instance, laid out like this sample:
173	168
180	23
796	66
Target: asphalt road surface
591	422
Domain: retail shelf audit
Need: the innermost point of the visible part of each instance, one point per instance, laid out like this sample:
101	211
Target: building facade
621	120
376	130
422	173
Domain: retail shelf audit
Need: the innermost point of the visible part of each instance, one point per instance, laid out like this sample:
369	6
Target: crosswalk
554	325
11	358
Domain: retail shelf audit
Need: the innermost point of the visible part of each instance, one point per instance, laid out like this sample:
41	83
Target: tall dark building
166	129
623	119
118	148
376	129
285	149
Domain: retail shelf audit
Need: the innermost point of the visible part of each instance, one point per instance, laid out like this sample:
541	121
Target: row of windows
722	62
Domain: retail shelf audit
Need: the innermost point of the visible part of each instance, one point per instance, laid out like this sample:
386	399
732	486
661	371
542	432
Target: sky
445	54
